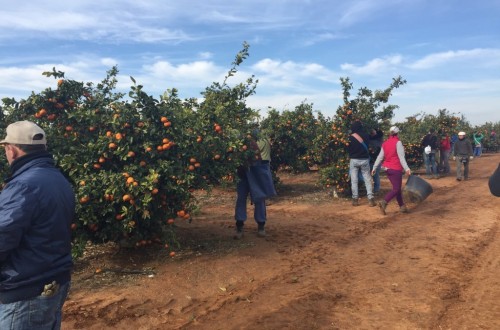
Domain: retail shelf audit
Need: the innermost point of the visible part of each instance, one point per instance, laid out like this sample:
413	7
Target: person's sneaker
403	209
459	179
371	202
382	204
238	234
355	202
261	231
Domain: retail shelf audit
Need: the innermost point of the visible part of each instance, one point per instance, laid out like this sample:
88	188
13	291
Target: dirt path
323	265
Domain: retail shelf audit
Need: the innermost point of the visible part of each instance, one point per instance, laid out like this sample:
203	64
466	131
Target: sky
448	51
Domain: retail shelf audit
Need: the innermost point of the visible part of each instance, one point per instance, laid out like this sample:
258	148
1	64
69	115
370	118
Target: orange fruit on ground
181	213
172	254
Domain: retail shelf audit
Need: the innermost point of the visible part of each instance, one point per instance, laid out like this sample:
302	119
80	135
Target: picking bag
260	180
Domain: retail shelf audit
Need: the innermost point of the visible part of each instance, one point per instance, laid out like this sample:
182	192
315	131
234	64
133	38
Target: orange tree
135	163
365	108
297	137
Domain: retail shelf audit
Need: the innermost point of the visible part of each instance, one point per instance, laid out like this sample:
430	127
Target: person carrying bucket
392	158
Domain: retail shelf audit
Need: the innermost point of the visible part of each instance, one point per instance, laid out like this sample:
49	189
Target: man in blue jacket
37	207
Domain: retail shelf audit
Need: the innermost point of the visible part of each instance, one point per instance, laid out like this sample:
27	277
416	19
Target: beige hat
461	133
24	132
394	129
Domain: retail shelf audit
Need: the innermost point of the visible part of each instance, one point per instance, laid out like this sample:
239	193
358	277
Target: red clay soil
323	265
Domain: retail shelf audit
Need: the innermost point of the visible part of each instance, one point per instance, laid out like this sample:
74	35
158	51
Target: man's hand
373	172
408	172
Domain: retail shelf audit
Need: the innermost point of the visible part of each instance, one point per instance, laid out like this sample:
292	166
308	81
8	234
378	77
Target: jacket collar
19	163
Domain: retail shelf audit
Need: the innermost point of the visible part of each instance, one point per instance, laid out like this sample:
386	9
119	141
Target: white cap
461	133
394	129
24	132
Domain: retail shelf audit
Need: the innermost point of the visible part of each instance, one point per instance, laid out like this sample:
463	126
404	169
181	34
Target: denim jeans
38	313
478	150
355	166
243	190
430	164
444	161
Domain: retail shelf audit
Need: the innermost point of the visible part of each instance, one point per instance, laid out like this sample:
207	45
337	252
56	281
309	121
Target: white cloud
290	70
438	59
374	66
205	55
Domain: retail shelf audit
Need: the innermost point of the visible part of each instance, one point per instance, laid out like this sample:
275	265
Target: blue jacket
37	207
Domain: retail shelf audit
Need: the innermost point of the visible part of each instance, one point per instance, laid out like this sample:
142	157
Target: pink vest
391	158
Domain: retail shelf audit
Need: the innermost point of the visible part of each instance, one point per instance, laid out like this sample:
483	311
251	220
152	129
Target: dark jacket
494	182
430	140
462	148
356	149
37	207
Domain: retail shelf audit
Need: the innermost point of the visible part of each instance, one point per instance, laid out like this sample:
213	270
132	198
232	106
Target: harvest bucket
417	189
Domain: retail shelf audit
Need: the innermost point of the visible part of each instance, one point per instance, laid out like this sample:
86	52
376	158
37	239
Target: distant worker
392	158
462	153
431	147
359	162
445	150
478	146
261	165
